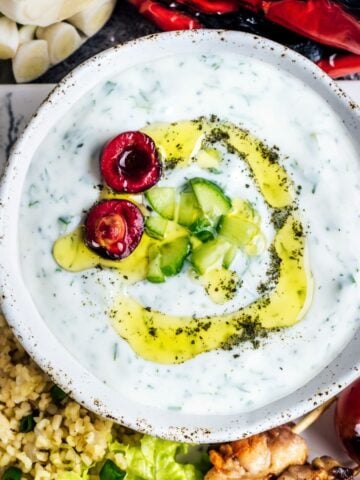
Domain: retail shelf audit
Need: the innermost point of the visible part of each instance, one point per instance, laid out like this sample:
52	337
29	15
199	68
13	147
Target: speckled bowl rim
30	328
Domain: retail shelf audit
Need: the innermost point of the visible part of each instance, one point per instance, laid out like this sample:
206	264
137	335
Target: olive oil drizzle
164	338
179	141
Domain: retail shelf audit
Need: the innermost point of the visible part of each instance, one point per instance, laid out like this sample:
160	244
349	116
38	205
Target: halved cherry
347	419
113	228
130	163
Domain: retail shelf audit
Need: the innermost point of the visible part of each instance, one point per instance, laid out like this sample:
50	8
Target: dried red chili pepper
327	22
211	7
340	65
321	20
166	18
254	5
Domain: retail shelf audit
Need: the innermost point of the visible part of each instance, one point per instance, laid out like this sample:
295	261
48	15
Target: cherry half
130	163
113	228
347	419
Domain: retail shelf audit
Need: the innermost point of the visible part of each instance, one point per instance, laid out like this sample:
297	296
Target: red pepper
340	65
211	7
321	20
254	5
166	18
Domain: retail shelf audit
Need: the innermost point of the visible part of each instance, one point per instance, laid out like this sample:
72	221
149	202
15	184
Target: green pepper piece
12	473
110	471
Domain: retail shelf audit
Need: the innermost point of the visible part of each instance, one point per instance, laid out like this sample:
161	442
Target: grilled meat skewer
259	457
323	468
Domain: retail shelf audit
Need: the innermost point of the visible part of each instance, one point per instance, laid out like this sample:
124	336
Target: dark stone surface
125	24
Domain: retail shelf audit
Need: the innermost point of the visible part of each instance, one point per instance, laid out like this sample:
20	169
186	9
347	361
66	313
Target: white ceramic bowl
33	331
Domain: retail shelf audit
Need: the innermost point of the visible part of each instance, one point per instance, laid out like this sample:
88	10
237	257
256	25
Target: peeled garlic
9	38
41	12
93	18
62	38
31	61
26	33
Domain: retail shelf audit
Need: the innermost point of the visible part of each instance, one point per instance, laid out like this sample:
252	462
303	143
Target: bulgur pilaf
44	435
66	437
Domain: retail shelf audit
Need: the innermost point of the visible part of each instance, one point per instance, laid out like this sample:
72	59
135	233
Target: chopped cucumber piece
174	230
156	227
211	198
173	255
209	158
203	229
162	200
209	255
237	230
155	274
195	242
244	209
229	256
256	246
189	209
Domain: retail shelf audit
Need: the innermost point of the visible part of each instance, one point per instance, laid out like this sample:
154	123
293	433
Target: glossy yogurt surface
317	153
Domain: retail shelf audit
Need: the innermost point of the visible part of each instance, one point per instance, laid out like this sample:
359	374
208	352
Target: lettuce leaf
72	476
155	459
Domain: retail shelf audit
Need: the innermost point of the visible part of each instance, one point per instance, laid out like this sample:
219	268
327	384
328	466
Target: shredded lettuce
72	476
154	459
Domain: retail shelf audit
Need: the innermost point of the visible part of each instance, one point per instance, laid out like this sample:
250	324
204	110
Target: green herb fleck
171	163
58	395
12	473
216	171
152	331
27	423
272	273
66	220
279	216
250	330
109	87
115	355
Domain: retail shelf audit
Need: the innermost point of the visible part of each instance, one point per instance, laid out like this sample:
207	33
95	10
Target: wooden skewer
311	417
356	471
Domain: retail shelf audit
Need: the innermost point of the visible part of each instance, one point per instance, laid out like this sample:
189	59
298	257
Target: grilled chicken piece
323	468
258	457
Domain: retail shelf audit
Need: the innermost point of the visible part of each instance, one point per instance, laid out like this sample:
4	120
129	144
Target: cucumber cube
229	256
155	227
189	209
211	198
155	274
162	200
173	255
209	255
209	158
237	230
195	242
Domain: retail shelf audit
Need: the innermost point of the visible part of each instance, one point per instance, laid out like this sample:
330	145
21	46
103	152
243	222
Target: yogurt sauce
317	153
